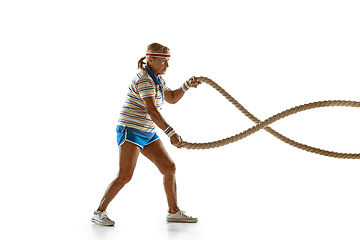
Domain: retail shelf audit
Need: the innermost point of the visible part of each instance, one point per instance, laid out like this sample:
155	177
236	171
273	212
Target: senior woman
136	131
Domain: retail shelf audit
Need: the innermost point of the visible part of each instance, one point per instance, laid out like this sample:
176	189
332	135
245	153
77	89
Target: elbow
171	99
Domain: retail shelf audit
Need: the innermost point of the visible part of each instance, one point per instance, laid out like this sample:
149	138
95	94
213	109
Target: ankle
174	210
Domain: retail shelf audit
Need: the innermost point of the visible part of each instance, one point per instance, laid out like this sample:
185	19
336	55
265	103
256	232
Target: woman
136	131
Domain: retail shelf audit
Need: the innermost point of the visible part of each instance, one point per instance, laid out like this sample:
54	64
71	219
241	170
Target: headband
161	55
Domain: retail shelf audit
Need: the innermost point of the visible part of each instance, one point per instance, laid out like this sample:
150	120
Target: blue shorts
135	136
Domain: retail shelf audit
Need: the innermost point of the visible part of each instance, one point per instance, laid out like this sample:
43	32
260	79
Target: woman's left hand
193	82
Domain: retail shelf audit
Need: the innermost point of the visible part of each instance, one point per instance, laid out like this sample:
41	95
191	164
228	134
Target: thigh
128	155
157	154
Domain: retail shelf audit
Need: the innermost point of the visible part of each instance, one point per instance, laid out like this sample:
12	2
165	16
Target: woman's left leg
157	153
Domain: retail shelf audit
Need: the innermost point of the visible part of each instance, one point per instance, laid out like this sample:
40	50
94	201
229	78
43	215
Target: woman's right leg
128	155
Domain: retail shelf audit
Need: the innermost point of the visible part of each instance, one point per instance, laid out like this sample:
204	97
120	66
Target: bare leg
170	190
128	154
156	153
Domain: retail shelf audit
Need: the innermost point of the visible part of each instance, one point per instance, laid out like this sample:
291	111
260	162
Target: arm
173	97
154	113
159	120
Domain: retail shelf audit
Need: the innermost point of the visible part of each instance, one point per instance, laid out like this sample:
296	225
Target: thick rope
264	124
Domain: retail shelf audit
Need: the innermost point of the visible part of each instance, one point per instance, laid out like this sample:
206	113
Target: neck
155	73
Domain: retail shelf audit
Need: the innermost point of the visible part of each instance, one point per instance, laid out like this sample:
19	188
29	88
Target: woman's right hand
176	140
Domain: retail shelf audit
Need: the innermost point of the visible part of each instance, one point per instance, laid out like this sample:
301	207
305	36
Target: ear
151	59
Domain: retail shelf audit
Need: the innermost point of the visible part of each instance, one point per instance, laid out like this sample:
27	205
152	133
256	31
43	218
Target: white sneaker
101	218
180	217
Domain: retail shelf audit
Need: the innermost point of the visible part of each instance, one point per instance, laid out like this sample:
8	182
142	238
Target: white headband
161	55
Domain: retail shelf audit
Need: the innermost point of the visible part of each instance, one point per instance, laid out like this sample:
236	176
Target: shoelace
104	215
182	214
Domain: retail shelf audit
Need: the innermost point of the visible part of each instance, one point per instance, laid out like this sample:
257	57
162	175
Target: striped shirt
133	113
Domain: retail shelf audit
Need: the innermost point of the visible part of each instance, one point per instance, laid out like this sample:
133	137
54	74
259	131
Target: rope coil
264	124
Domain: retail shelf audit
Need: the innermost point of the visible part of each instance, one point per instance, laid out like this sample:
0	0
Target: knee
124	178
170	169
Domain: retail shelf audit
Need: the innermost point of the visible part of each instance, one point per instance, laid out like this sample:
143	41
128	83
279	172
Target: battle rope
264	124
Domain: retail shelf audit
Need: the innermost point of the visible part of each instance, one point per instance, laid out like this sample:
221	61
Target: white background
65	68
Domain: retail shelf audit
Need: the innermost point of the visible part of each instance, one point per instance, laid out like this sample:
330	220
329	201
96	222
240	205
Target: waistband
135	131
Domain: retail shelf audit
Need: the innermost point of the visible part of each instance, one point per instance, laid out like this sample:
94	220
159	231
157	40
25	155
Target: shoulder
142	74
142	77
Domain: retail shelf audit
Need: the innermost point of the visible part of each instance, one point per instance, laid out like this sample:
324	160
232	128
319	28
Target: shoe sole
181	220
98	222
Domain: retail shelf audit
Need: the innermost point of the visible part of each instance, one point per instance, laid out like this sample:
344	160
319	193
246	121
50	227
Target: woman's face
159	65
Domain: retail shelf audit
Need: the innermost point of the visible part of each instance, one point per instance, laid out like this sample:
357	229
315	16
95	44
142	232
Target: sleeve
146	88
